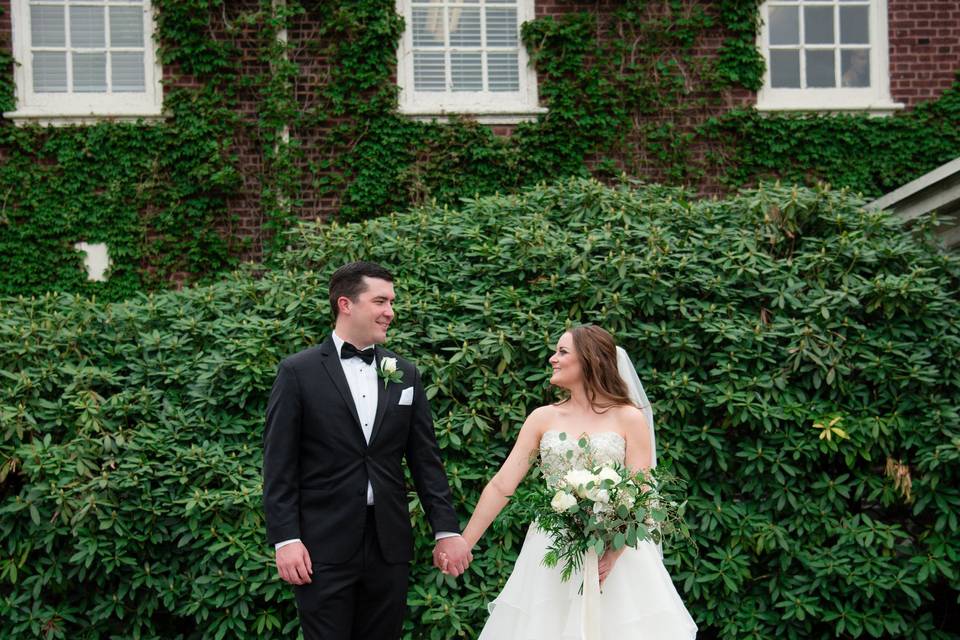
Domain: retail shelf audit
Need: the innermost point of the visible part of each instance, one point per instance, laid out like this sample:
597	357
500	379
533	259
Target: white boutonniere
389	372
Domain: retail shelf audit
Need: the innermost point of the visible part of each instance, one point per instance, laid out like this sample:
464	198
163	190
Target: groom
337	429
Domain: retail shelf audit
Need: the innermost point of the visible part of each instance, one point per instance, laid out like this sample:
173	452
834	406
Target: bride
638	601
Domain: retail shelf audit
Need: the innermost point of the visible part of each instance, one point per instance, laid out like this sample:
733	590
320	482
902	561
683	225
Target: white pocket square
406	396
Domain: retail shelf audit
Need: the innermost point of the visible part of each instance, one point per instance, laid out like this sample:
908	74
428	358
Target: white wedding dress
639	601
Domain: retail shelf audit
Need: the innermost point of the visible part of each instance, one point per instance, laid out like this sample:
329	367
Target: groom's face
369	316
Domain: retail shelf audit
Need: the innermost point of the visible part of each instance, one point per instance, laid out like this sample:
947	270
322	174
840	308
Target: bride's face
565	363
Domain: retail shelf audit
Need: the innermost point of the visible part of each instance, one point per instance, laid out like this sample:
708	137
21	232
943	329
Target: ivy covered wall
658	89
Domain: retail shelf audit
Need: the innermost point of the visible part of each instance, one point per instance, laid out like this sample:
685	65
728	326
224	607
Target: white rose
562	501
579	479
600	510
600	496
388	365
609	474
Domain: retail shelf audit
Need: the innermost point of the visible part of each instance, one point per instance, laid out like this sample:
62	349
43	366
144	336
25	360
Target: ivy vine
629	91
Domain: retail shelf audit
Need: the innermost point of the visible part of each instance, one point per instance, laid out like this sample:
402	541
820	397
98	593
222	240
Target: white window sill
878	109
50	119
483	116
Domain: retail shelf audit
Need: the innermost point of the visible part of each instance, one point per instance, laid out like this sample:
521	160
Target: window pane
502	28
466	71
820	69
428	27
46	27
89	72
126	27
854	25
127	71
86	27
50	71
503	71
784	25
785	69
818	25
464	27
855	68
428	71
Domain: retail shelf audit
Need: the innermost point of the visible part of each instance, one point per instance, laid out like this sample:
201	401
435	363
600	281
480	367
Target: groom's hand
452	555
293	563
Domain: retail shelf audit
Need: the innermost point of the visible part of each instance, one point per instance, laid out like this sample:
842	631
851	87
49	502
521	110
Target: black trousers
362	599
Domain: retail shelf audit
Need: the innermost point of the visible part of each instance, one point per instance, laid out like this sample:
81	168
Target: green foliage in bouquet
130	494
584	504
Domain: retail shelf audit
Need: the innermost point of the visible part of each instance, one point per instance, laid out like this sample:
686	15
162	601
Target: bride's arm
638	456
501	487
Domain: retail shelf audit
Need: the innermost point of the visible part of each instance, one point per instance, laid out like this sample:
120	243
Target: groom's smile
367	319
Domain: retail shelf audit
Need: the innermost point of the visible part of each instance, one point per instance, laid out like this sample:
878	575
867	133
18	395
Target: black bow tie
348	351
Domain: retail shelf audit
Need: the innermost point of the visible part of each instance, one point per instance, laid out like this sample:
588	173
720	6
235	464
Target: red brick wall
924	54
924	39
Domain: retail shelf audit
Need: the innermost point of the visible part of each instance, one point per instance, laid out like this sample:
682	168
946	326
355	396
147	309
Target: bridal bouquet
602	507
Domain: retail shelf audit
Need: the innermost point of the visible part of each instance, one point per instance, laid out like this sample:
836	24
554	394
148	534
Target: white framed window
465	57
825	55
82	60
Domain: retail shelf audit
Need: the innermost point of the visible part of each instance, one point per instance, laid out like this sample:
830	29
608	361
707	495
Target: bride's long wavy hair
597	354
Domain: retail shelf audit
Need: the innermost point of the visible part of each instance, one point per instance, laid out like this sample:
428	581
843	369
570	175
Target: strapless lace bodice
557	455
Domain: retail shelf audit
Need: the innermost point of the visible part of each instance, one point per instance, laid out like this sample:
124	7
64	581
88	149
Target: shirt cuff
440	535
285	543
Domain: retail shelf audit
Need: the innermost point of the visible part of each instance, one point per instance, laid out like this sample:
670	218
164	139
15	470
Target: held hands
607	560
452	555
293	563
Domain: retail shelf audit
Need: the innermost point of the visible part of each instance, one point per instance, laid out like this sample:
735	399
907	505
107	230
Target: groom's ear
343	304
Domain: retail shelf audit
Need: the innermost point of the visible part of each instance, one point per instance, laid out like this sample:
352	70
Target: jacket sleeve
281	460
423	458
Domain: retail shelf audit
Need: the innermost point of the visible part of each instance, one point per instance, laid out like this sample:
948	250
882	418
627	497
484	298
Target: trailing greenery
156	193
629	90
869	154
105	183
801	354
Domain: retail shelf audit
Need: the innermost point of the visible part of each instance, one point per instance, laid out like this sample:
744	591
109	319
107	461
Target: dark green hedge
130	457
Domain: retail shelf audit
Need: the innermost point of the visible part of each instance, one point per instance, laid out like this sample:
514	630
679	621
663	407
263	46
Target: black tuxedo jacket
317	463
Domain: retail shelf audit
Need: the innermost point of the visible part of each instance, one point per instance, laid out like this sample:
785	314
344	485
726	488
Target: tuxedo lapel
331	362
383	398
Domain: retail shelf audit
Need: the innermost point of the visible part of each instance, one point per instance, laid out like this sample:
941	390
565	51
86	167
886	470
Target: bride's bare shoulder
541	417
631	418
544	412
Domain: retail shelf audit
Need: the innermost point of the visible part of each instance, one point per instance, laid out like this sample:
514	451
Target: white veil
628	374
639	397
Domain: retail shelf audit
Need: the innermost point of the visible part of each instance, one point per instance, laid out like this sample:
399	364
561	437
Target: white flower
609	474
599	496
578	479
562	501
600	510
388	365
627	499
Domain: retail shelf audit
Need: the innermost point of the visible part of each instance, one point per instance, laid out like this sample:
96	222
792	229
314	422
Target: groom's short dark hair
347	281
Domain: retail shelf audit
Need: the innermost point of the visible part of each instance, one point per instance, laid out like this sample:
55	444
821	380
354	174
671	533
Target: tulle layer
639	601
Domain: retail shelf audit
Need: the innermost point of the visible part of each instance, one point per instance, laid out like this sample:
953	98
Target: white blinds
88	46
465	45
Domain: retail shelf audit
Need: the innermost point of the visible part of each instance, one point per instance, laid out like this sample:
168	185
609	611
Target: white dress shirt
362	380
